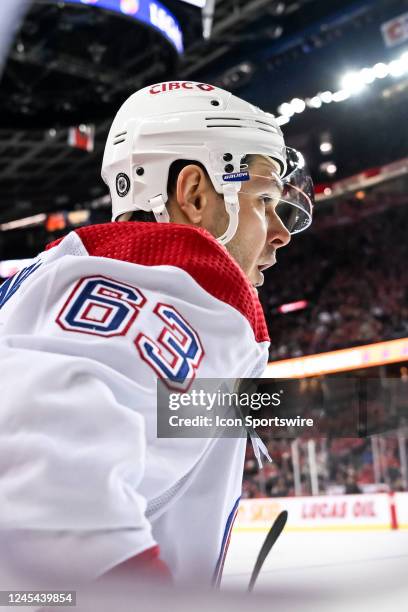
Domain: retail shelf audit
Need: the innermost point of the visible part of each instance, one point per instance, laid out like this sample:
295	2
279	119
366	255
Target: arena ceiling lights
353	83
149	12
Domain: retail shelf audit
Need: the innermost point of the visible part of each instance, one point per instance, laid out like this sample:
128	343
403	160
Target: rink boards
380	511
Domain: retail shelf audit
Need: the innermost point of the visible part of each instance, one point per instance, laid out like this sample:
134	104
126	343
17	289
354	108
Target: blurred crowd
355	280
359	443
344	465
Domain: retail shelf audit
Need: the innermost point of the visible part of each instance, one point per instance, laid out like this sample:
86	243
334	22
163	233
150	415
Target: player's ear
192	193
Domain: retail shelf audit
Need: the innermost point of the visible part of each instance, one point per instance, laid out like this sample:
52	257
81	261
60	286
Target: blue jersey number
177	352
103	307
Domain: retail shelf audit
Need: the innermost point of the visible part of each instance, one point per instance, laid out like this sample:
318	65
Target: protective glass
291	195
296	205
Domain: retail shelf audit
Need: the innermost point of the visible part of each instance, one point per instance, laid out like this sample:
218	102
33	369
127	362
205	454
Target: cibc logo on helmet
162	87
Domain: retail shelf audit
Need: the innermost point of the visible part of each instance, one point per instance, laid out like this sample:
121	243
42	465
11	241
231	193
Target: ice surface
325	570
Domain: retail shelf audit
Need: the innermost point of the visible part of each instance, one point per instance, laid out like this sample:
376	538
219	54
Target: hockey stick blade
270	540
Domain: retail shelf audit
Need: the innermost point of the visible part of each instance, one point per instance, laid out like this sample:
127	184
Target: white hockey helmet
186	120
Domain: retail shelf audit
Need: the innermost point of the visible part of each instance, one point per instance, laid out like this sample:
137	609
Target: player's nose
278	235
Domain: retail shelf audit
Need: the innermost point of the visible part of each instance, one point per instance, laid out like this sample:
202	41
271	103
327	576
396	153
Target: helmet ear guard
159	125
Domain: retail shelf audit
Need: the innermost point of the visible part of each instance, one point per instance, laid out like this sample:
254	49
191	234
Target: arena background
335	73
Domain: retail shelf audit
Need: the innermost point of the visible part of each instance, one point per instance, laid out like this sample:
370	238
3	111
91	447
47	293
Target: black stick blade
270	540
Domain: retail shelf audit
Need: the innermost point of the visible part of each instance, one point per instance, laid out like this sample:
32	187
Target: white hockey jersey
85	483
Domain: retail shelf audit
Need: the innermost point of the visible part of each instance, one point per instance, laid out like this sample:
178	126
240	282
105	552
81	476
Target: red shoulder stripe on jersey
191	249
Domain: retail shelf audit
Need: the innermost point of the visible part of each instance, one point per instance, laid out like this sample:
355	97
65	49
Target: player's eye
268	200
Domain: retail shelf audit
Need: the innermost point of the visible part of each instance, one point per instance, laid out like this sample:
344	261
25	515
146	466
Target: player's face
260	231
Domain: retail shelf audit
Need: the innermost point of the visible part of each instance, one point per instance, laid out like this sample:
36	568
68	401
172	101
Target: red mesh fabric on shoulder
192	249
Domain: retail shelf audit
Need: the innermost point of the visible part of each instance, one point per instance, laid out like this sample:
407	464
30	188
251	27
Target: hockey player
204	192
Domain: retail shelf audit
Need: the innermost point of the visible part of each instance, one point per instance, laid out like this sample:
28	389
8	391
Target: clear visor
292	195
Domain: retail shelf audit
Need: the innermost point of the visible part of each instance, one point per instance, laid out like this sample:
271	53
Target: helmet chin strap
231	201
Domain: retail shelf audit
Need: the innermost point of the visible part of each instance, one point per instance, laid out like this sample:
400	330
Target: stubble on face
249	244
235	246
